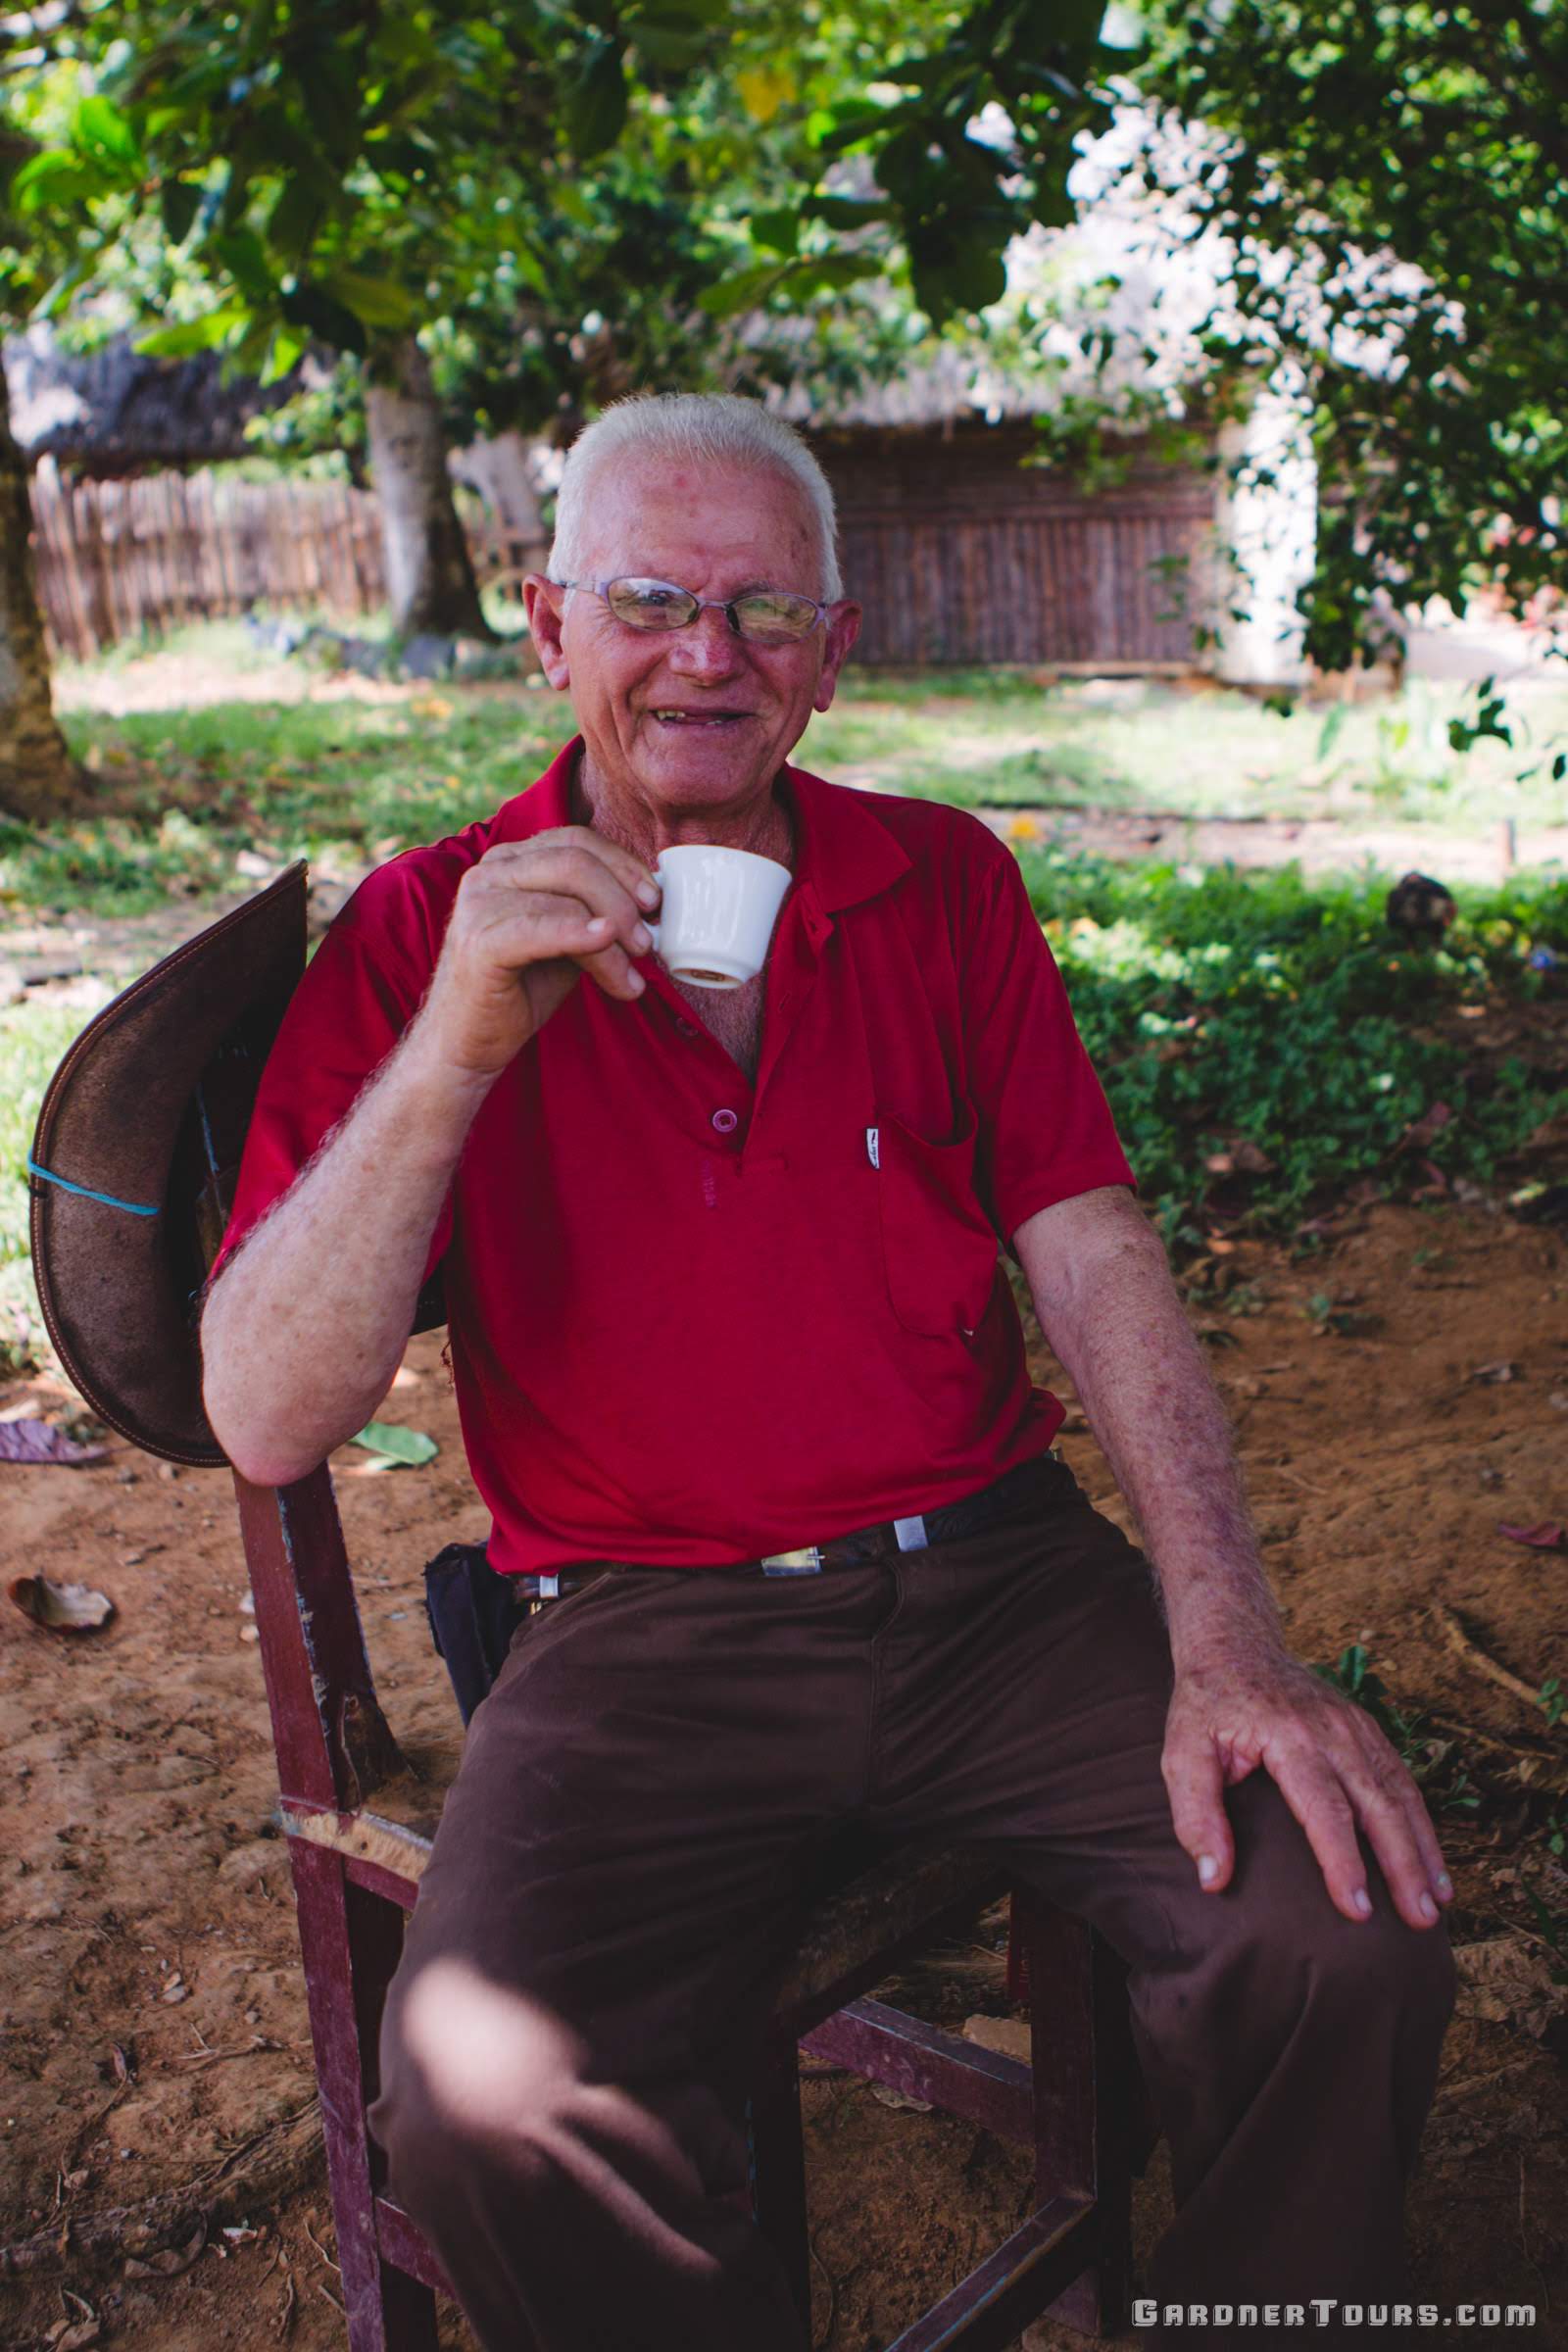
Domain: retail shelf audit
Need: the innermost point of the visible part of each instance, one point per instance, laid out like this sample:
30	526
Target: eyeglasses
764	616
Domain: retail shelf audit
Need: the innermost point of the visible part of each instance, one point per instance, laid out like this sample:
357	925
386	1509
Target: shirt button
725	1122
684	1028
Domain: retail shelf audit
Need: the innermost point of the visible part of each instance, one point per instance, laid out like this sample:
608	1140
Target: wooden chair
359	1823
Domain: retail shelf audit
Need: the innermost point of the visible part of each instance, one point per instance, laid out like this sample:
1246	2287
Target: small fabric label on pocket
873	1146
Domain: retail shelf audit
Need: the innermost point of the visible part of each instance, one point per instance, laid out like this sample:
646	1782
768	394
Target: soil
152	2004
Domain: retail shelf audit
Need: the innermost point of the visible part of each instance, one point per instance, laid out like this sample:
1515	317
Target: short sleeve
356	996
1045	1129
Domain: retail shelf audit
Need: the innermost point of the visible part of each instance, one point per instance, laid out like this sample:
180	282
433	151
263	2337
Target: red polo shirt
695	1320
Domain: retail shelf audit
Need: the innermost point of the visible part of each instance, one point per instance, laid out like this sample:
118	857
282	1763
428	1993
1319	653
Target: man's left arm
1107	1303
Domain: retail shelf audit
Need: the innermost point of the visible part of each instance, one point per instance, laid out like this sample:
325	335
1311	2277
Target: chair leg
778	2165
1086	2096
350	1941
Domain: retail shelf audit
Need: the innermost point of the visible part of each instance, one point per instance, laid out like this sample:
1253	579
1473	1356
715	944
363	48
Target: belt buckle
806	1562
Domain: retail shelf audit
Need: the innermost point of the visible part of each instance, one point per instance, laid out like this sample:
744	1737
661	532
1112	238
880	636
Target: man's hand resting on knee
1234	1708
1107	1303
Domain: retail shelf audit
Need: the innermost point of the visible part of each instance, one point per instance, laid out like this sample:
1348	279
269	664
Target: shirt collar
843	854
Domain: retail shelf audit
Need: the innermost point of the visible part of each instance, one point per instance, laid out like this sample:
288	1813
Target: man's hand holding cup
527	920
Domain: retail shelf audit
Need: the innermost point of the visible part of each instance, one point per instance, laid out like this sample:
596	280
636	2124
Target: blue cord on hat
133	1208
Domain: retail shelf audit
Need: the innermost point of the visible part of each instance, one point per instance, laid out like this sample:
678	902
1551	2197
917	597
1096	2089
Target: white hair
702	428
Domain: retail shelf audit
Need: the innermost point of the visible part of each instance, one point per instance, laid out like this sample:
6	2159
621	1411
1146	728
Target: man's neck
763	825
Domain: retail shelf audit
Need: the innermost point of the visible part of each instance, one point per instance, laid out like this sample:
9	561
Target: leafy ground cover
1265	1041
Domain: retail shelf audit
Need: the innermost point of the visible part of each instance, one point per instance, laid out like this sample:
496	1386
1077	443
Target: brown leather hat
134	1160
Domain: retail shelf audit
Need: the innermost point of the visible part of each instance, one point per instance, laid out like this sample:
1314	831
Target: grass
182	793
997	740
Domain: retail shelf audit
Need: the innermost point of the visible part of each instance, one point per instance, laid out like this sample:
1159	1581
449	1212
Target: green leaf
64	287
287	349
1329	733
178	202
58	176
846	212
396	1444
311	306
191	335
244	257
742	292
594	100
379	301
295	215
779	230
102	131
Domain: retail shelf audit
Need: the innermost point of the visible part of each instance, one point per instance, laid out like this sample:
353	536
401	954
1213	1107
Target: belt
1029	1482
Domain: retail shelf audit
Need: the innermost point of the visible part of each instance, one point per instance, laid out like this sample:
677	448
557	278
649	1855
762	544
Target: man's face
685	720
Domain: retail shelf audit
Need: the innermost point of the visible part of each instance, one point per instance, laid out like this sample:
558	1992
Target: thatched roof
115	411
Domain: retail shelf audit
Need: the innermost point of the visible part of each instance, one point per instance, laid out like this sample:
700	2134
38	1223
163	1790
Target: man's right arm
305	1323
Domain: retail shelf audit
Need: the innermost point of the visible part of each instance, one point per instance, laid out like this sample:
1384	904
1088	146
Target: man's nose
707	648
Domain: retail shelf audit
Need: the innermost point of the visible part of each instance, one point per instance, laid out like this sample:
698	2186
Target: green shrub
1224	1007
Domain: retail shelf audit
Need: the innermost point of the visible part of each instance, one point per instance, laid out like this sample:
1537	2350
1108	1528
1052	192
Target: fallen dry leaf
1547	1534
1502	1982
170	2261
1008	2035
75	2335
61	1608
886	2096
42	1441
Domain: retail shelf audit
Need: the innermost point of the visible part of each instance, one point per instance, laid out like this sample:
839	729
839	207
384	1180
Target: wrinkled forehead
715	529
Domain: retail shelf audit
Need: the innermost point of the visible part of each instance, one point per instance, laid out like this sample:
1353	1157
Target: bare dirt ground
150	2003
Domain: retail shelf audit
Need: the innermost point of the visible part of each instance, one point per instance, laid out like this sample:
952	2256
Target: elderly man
723	1282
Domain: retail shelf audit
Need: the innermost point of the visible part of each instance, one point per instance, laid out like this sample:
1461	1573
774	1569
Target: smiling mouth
701	718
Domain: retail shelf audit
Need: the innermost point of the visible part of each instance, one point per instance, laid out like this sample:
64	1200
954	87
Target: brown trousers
643	1807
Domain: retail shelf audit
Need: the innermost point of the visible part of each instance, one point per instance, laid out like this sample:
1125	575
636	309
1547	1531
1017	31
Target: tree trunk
37	776
430	578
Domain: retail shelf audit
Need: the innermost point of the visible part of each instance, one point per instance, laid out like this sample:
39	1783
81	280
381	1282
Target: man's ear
843	628
545	605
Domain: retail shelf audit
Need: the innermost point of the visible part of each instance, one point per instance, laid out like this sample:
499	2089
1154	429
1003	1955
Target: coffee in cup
718	911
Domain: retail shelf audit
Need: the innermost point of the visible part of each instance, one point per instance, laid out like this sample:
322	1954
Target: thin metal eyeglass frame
703	604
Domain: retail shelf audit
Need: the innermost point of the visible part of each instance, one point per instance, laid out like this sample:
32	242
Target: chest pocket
938	1243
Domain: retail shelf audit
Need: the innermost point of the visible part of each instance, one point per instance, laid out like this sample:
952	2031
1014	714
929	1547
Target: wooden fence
117	558
958	552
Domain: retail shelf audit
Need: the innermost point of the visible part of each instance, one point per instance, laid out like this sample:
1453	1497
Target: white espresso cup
718	911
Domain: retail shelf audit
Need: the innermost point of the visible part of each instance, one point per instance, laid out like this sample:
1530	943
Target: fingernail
1445	1887
1426	1907
648	894
636	983
1208	1870
642	938
1362	1902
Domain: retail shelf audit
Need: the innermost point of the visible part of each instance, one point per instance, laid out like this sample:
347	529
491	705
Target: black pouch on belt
474	1613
